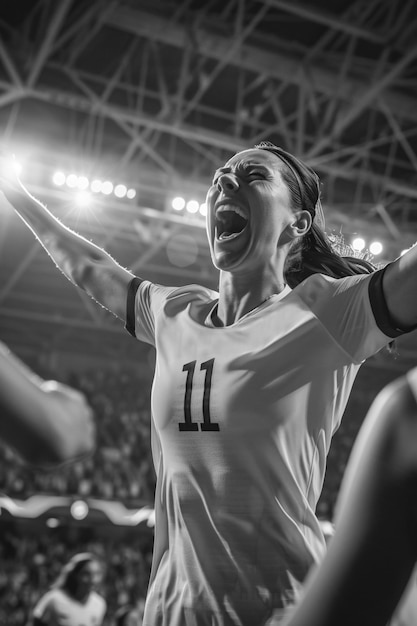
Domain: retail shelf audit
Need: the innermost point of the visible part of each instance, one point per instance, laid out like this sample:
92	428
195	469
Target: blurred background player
74	600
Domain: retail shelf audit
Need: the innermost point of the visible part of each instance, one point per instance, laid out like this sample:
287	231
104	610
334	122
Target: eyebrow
226	169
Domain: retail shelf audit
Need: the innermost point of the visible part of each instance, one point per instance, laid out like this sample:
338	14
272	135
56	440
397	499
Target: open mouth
231	220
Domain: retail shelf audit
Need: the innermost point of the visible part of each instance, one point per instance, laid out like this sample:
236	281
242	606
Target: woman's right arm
86	265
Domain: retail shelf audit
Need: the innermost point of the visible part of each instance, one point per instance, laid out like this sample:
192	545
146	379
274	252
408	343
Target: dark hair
68	578
313	253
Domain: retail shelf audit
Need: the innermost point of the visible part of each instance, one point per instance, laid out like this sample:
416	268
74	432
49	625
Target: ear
300	225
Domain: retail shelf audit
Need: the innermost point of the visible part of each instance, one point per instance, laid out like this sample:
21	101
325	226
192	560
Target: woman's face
89	577
248	208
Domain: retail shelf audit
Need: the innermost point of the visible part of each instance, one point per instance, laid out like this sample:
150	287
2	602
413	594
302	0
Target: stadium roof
156	94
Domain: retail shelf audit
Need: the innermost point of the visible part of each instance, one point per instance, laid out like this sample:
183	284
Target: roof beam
326	19
271	64
208	137
46	46
10	66
367	98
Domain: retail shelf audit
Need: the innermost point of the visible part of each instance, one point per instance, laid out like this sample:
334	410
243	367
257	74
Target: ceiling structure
157	95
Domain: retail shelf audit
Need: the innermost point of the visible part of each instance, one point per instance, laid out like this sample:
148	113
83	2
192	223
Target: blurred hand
72	406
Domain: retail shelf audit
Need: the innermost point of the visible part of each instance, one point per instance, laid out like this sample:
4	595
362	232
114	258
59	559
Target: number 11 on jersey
207	424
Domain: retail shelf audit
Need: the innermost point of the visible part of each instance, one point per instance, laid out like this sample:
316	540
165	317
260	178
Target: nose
228	182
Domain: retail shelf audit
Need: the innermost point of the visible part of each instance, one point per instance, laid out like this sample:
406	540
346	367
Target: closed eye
251	174
257	174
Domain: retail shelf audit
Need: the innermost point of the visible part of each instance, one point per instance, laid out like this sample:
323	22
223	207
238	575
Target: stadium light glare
107	187
203	208
16	166
82	182
83	199
131	193
178	203
58	179
11	167
120	191
71	180
358	244
96	185
192	206
376	247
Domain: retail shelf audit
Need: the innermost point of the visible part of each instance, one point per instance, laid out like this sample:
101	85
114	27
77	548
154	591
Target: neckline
211	317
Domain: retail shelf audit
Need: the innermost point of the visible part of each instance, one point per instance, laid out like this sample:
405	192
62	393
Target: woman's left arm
400	289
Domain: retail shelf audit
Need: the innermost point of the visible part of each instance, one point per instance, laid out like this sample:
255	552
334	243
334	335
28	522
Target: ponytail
315	253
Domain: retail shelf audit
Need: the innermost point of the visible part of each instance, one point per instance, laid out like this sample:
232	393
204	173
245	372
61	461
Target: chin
228	261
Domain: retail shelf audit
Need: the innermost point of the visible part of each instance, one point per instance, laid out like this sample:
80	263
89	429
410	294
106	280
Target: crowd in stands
370	381
31	560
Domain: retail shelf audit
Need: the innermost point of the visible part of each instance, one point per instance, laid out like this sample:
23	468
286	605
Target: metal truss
160	93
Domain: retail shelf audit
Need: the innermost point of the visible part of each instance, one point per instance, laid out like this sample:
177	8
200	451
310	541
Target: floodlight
107	187
178	203
376	247
82	182
96	186
58	179
358	244
71	181
120	191
192	206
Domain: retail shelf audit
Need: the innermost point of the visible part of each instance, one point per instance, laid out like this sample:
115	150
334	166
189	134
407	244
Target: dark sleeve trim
130	305
380	309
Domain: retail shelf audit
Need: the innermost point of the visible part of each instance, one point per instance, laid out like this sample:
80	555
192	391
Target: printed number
207	424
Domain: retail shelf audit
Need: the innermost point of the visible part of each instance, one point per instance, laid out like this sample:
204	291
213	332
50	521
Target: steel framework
158	94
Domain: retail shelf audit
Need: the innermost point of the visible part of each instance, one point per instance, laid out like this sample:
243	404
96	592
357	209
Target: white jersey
242	419
56	608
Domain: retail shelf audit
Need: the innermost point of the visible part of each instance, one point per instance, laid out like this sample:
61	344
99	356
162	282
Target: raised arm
46	422
400	289
83	263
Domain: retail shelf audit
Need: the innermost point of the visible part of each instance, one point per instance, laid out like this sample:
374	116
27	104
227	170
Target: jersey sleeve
103	608
352	310
146	301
